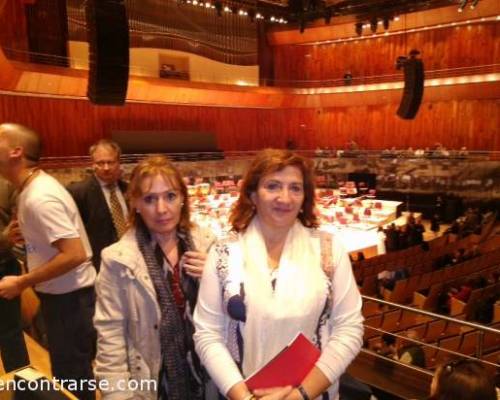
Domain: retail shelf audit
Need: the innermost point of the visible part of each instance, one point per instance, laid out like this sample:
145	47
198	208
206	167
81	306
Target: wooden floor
39	357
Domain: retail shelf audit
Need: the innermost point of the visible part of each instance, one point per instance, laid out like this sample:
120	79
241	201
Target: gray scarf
172	333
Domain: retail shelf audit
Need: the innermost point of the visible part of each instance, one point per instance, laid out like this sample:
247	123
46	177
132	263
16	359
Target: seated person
462	380
387	347
410	351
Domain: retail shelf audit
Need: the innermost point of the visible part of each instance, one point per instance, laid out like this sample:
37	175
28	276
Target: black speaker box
107	32
413	90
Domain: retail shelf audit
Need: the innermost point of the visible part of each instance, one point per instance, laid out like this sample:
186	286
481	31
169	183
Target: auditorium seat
391	320
420	330
491	341
398	294
370	308
493	357
469	343
375	321
407	320
413	283
429	301
429	352
434	330
496	312
451	343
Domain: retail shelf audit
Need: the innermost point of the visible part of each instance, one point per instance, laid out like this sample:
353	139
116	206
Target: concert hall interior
385	120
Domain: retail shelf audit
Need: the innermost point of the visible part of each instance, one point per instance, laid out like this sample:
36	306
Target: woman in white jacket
146	291
276	277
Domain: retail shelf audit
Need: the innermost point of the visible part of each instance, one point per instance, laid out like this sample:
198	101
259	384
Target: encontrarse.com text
78	384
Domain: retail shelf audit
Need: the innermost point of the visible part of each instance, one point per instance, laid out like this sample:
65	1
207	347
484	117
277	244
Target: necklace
26	180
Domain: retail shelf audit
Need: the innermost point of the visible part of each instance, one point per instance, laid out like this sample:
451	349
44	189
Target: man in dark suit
101	198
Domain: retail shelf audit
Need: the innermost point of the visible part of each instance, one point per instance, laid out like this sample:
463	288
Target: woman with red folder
275	277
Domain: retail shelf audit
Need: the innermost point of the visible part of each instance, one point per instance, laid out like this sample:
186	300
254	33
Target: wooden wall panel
456	47
47	22
69	126
13	30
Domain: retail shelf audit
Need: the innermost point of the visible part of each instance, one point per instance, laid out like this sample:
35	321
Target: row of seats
440	339
429	300
417	262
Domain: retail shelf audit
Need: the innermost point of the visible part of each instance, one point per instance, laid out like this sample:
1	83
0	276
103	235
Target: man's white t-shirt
47	213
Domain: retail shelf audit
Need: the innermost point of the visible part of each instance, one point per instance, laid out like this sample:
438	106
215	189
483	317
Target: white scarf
274	318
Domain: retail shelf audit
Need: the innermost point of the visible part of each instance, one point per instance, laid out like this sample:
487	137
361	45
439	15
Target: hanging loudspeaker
107	32
413	90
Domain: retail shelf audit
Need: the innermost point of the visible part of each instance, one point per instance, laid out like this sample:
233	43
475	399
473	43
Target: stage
354	221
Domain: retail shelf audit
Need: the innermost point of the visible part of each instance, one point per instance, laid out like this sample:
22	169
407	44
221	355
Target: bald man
58	256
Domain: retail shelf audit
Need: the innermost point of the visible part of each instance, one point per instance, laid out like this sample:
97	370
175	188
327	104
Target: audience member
12	346
100	198
147	289
58	257
462	380
272	280
410	351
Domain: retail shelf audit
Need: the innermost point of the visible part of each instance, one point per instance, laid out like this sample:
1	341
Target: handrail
431	314
472	156
480	328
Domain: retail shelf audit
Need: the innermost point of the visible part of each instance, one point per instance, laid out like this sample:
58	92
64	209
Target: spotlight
359	28
227	9
373	25
462	5
474	4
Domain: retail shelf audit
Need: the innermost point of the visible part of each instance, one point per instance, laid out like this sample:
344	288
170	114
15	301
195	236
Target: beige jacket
127	319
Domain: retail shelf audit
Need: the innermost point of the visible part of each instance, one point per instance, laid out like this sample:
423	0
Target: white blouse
345	325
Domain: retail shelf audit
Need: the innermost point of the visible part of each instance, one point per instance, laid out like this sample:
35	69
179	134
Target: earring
182	204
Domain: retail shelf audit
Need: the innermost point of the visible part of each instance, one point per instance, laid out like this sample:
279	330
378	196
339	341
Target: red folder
288	368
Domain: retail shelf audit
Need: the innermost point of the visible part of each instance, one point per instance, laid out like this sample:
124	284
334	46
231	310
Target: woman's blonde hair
148	168
267	162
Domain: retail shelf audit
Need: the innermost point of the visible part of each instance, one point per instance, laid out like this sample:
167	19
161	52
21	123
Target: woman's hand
193	262
280	393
